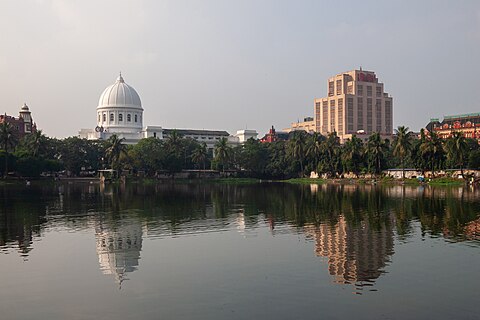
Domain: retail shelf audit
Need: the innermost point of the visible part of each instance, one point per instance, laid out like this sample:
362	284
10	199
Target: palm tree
432	150
314	148
331	151
35	141
8	139
200	153
174	143
456	147
114	150
222	152
352	154
402	145
375	151
296	148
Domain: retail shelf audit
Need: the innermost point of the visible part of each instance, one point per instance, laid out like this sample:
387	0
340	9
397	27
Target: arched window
111	117
129	117
136	119
120	117
99	117
104	117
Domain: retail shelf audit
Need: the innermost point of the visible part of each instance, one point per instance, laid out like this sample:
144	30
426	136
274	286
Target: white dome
120	94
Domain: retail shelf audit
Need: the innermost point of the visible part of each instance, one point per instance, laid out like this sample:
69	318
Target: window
360	90
379	91
104	117
350	88
350	115
111	117
99	117
339	87
332	115
330	88
378	115
360	114
369	91
325	116
154	134
129	117
120	117
369	116
388	116
136	119
340	116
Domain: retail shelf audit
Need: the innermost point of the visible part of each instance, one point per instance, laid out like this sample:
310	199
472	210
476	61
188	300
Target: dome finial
120	78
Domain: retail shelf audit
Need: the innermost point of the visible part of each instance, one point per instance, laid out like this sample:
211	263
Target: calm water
265	251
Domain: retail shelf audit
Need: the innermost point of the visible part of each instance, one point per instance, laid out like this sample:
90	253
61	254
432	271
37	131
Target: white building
120	112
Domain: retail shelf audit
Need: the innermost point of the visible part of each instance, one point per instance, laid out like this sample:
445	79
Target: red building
23	124
468	124
273	136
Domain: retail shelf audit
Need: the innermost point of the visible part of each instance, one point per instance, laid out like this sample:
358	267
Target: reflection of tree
175	208
20	218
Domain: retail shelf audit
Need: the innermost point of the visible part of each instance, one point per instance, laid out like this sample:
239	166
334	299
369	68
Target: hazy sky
234	64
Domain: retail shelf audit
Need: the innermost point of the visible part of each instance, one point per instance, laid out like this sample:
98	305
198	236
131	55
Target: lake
225	251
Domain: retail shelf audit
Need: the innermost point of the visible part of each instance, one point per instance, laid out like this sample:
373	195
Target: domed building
120	112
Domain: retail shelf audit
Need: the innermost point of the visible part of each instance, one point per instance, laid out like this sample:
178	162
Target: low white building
120	112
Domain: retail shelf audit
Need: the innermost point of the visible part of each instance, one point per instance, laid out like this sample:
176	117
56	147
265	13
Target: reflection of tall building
356	254
118	247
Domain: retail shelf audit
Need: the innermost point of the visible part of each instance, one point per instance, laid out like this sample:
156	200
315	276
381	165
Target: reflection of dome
118	248
120	94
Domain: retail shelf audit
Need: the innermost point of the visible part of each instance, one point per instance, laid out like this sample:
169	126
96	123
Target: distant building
308	125
273	136
120	112
356	103
24	124
468	124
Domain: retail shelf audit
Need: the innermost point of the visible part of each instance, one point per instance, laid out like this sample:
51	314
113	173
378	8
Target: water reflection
353	227
356	254
118	246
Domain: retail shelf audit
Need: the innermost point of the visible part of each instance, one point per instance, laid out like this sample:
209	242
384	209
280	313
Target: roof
185	132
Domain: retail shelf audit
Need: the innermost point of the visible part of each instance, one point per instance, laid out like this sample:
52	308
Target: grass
446	181
305	181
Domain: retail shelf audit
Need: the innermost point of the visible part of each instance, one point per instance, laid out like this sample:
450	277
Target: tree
147	155
331	158
222	152
199	155
8	139
456	147
432	150
314	148
296	148
115	148
352	155
375	151
402	145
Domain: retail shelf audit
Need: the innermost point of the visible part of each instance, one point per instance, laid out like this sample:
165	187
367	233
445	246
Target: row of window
120	117
378	92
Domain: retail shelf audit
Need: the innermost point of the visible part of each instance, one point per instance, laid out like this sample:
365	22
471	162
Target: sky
232	65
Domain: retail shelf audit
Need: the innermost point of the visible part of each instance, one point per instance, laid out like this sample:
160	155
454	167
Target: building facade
356	103
24	124
308	125
120	112
468	124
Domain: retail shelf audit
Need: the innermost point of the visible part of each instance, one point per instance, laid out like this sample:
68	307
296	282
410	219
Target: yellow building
308	125
356	103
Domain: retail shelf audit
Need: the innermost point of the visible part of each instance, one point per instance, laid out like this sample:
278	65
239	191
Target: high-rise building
356	103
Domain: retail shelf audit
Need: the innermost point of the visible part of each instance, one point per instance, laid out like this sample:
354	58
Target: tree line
297	157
